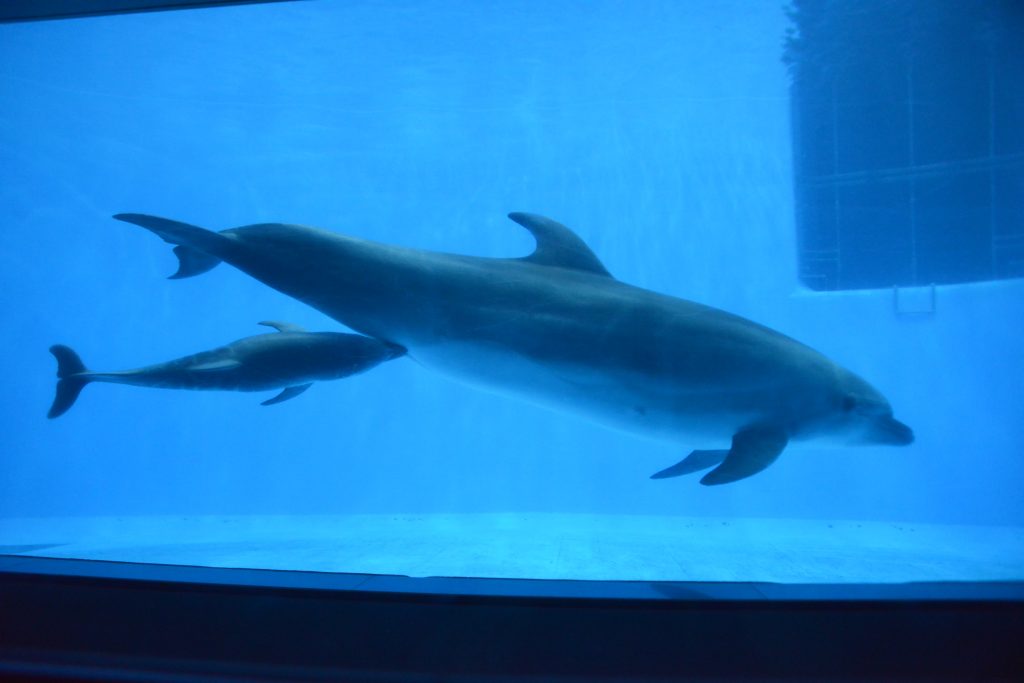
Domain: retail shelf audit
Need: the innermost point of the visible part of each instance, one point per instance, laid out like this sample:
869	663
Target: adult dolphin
556	328
291	358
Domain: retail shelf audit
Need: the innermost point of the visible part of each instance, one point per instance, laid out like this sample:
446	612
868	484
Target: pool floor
540	546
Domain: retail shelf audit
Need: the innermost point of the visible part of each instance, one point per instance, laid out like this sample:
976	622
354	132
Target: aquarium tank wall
850	175
906	122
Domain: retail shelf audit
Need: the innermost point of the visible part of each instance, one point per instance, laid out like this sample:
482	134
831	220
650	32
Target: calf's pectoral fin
694	462
753	449
289	392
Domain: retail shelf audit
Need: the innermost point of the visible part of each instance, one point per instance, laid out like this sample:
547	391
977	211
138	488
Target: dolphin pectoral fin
192	262
694	462
557	245
289	392
753	449
193	238
281	327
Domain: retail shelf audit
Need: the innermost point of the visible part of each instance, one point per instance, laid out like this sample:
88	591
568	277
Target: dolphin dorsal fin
557	245
282	327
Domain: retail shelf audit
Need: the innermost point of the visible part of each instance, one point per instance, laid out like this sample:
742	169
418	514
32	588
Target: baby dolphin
291	358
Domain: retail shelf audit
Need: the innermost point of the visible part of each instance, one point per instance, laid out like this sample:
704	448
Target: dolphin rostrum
291	358
556	328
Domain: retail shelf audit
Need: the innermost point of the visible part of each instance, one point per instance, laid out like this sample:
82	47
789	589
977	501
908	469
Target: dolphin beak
890	431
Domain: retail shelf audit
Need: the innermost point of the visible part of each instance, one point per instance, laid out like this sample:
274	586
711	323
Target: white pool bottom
540	546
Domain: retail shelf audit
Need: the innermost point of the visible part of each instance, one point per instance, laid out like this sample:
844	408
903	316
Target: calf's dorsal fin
557	245
281	327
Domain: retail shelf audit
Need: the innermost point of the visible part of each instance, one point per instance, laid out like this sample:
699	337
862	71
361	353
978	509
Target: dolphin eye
849	403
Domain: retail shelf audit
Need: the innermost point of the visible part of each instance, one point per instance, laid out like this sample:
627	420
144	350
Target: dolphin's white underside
614	401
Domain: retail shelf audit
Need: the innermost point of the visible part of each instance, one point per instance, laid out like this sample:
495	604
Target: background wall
658	130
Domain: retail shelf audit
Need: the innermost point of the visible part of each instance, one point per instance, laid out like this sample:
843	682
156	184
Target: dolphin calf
291	358
556	328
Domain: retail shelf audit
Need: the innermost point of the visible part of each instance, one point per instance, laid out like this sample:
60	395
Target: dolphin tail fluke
71	378
198	249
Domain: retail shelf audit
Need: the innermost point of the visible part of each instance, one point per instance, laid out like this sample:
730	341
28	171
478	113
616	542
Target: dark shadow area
36	10
79	620
29	548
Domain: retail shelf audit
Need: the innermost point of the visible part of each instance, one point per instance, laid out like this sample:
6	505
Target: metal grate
908	128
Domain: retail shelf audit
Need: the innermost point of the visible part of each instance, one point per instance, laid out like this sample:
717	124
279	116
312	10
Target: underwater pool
677	147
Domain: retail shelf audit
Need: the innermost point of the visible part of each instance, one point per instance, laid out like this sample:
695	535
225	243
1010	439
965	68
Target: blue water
659	131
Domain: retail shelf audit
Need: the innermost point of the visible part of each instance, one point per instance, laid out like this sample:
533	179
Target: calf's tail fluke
198	249
71	378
